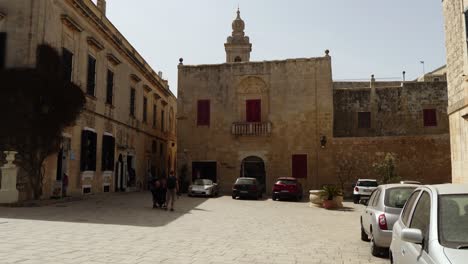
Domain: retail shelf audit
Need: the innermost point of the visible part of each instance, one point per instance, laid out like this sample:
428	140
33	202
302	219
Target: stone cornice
89	11
135	78
156	96
94	43
114	60
146	88
457	106
70	23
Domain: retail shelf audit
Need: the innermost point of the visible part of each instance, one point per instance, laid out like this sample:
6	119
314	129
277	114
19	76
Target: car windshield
202	182
453	221
367	183
286	181
396	197
245	181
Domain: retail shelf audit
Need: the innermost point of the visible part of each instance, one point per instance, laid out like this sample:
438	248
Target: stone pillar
8	191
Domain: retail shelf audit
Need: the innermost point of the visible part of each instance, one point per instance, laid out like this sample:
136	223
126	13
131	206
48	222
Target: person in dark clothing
154	186
172	188
162	194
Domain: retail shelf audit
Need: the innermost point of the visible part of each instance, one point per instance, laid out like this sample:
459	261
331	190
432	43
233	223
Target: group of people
163	191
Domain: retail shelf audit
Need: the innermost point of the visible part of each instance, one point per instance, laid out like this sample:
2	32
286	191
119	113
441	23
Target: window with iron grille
67	57
364	119
91	83
430	117
110	87
132	101
145	109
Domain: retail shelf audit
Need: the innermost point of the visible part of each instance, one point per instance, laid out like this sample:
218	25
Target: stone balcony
251	129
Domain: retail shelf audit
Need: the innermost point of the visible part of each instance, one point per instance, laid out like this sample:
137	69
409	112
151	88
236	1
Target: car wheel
273	197
356	199
233	197
375	250
364	236
390	256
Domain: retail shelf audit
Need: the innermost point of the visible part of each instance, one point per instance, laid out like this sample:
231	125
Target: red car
287	188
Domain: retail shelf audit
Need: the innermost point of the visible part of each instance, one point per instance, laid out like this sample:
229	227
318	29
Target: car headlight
208	188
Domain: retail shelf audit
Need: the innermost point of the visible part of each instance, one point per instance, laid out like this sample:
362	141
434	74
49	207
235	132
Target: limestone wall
457	64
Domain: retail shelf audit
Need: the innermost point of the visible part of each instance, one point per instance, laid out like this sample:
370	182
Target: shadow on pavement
134	209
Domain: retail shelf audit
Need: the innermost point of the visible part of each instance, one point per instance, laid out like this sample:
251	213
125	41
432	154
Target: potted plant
329	193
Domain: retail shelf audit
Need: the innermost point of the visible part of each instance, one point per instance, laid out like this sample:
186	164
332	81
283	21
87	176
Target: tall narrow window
110	87
132	101
299	166
67	57
203	113
364	119
108	151
466	22
91	84
155	115
145	109
430	117
88	151
3	38
253	110
162	120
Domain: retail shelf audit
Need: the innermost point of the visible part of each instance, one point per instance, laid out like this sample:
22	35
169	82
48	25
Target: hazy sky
381	37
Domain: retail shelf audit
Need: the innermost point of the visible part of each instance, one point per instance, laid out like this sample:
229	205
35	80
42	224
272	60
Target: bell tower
238	46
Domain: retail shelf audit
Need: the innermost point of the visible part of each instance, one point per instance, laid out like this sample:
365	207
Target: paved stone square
123	228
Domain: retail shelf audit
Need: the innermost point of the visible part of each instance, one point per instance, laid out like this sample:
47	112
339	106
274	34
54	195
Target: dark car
247	188
287	188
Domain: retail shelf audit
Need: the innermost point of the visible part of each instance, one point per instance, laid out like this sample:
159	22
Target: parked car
247	188
383	209
287	187
433	227
203	187
363	189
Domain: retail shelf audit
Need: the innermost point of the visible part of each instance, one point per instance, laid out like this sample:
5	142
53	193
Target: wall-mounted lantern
323	141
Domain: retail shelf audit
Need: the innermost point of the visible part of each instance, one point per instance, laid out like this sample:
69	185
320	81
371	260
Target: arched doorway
254	167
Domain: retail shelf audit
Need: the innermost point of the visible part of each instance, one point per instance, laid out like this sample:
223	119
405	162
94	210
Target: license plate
285	191
244	192
367	190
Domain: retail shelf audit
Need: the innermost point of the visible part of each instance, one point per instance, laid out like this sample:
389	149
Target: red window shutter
203	113
299	166
430	117
254	110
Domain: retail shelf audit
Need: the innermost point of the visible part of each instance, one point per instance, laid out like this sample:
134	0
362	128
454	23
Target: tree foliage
387	169
37	104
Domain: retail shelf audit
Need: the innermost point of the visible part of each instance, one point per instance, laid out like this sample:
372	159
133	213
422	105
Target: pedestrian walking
162	193
172	189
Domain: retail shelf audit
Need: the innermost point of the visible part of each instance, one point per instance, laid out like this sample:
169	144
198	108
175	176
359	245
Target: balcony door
254	110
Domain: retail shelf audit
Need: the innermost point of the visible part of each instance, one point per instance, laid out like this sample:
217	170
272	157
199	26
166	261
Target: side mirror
364	202
412	235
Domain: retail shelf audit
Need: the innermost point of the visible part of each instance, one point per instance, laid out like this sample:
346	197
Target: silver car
383	209
433	227
203	187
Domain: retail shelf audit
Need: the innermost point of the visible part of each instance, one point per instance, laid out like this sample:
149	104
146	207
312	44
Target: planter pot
339	201
10	157
329	204
315	198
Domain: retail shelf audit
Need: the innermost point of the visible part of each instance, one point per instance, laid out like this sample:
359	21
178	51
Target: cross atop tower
238	46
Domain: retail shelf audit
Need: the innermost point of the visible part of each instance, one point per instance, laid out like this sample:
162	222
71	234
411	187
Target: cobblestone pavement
123	228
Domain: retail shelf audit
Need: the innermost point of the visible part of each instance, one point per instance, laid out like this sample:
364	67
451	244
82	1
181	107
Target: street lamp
323	141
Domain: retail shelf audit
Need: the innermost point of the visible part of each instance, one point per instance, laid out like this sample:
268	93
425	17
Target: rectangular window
203	113
155	115
254	110
430	117
88	151
162	120
108	150
364	119
299	166
67	57
145	109
110	87
3	38
91	83
132	101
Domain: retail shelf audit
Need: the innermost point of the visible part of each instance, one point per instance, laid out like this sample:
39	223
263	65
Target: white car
363	189
433	226
203	187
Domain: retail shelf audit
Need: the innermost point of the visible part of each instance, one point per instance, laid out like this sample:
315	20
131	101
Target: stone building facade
128	124
456	32
288	118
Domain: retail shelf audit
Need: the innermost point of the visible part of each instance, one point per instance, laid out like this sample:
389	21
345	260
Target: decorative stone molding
156	96
147	88
163	102
94	43
135	78
10	157
2	16
8	192
465	116
70	23
87	175
113	59
252	85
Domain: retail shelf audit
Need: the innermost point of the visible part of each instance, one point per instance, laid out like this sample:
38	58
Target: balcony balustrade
251	129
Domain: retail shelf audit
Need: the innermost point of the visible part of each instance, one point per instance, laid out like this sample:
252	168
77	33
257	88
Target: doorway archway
254	167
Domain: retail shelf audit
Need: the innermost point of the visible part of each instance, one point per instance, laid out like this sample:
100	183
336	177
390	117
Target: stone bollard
8	192
315	197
